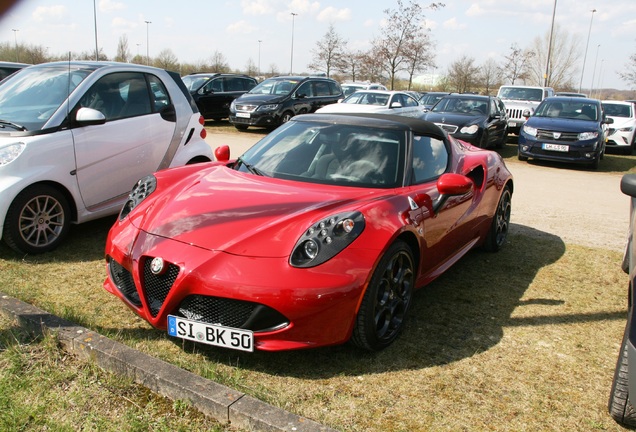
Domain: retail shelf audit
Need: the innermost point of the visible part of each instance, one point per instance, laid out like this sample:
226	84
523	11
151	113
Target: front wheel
38	220
619	406
287	115
241	127
387	299
498	232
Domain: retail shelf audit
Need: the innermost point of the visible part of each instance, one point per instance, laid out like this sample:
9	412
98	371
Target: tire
521	157
500	224
596	162
241	127
618	405
386	301
38	220
287	115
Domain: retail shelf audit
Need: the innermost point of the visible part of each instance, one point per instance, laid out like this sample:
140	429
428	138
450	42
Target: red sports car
317	235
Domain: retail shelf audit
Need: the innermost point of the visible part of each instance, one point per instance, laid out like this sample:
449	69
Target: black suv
7	68
213	92
277	99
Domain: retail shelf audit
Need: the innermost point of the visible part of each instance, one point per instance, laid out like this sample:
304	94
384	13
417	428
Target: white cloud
453	24
240	27
474	10
110	6
257	7
332	14
42	13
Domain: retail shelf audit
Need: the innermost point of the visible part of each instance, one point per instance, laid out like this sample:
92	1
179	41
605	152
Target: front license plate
210	334
556	147
243	115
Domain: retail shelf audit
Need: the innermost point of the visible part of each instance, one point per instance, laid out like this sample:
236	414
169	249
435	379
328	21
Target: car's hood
621	122
258	99
353	108
452	118
221	209
563	125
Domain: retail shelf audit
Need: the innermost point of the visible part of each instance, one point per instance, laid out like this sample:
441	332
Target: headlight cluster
268	107
469	130
584	136
532	131
11	152
326	238
142	189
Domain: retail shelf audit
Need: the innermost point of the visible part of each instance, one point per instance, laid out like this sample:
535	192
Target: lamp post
147	43
586	45
594	72
291	62
259	57
546	81
17	52
95	22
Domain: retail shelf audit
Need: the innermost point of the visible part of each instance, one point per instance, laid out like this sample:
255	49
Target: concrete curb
215	400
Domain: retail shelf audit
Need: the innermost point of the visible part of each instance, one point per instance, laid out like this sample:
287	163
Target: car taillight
201	120
204	133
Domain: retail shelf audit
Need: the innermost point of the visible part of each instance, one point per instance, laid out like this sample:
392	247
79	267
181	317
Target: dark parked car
430	98
479	120
565	129
7	68
276	100
624	384
214	92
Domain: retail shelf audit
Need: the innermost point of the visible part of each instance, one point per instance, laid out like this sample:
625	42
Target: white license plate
210	334
243	115
556	147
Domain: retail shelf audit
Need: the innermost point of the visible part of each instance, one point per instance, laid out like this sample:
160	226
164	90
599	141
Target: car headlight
326	238
11	152
532	131
469	130
142	189
584	136
268	107
627	129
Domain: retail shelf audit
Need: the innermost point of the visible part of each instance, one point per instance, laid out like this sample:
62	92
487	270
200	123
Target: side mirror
451	184
89	116
396	105
222	154
608	120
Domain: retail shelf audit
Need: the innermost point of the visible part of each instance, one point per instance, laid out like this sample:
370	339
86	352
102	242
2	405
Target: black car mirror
608	120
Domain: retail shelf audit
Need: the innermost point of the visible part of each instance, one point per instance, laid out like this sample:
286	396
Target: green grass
525	339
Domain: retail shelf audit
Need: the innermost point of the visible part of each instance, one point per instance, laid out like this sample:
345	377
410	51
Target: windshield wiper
251	168
4	123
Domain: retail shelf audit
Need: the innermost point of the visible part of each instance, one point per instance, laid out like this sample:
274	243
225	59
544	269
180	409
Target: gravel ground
580	206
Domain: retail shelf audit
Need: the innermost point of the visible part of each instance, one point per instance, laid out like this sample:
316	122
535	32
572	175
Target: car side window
119	95
409	101
321	88
334	88
159	96
214	85
305	90
430	158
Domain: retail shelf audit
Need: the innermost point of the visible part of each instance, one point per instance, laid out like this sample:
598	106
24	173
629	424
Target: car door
111	157
211	99
445	232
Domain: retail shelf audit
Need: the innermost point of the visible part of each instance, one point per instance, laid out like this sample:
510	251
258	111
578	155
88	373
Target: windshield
520	93
618	110
568	110
30	97
430	99
367	98
461	106
348	89
275	86
329	154
193	83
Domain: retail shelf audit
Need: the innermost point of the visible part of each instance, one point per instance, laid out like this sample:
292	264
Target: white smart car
76	136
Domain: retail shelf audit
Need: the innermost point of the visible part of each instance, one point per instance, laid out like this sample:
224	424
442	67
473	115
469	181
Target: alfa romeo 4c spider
317	235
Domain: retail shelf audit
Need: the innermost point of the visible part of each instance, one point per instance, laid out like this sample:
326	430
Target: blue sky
195	29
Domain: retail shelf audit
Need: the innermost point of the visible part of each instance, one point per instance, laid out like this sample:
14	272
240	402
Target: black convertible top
415	125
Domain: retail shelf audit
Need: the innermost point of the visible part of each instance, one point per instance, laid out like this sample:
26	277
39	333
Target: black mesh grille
231	313
563	136
157	286
124	282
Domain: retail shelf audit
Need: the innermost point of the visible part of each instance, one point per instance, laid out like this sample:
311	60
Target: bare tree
462	74
250	68
328	53
516	65
218	63
123	52
167	60
419	56
629	73
403	27
490	75
564	59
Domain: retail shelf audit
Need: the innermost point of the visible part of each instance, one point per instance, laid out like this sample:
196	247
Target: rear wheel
38	220
498	232
618	405
387	300
241	127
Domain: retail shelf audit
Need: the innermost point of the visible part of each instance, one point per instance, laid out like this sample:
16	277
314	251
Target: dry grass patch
522	340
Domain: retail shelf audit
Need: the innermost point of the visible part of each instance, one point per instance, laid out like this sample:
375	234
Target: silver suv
517	99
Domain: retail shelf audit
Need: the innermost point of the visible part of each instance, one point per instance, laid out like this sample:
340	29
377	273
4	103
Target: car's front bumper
318	304
266	119
582	152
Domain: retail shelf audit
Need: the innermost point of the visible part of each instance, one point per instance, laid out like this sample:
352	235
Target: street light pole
586	45
95	22
17	52
594	72
259	57
147	43
291	62
546	81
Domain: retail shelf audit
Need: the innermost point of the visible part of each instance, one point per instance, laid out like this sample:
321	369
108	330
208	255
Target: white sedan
377	101
622	133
